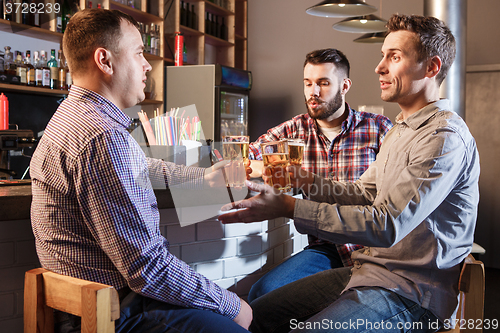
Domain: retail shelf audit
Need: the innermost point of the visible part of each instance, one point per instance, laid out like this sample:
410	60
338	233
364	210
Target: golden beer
296	151
275	167
237	153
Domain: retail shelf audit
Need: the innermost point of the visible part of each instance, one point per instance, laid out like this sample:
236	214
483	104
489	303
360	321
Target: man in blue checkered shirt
94	213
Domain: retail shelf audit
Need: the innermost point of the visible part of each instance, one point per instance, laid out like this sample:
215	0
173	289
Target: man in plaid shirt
340	144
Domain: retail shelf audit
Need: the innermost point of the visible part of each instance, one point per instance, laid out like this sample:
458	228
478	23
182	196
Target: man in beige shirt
414	208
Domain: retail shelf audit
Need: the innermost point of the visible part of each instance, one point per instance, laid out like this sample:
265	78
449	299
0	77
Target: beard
325	111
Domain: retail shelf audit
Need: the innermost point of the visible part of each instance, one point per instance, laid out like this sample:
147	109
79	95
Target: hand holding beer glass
276	159
235	150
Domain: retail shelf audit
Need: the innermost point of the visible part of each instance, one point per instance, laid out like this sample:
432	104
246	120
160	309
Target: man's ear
433	66
346	85
102	59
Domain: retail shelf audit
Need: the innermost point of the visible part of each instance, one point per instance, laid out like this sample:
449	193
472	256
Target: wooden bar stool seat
97	304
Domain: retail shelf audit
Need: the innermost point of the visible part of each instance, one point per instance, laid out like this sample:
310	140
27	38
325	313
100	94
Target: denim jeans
305	263
143	314
314	304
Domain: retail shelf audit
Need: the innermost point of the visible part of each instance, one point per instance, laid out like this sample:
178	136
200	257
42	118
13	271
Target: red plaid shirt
343	159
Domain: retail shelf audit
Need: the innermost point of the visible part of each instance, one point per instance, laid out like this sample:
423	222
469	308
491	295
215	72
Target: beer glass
235	149
276	159
296	150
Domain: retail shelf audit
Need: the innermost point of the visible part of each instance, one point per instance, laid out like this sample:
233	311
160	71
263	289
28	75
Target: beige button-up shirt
415	208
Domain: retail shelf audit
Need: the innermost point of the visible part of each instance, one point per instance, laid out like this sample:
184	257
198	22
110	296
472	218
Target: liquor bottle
184	54
45	70
69	80
8	62
152	34
158	40
54	75
35	17
194	18
189	23
66	13
183	14
59	19
38	70
223	30
147	45
30	76
214	26
89	4
7	15
25	14
61	71
208	25
21	68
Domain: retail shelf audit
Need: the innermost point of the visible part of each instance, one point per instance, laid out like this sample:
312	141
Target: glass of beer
296	150
235	149
276	159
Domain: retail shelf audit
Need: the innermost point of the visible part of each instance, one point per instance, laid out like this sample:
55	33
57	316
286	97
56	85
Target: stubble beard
331	107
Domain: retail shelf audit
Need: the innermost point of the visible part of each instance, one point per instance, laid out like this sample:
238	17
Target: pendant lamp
372	38
341	8
361	24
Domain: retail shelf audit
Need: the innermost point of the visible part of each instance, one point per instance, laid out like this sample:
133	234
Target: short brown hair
325	56
88	30
434	38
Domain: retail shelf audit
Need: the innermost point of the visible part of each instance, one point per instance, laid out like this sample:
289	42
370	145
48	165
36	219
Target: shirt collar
345	124
421	116
105	106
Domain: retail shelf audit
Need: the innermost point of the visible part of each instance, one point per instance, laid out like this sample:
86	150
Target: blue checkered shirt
94	213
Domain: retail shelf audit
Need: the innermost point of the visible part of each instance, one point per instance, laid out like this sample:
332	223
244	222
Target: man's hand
214	176
256	166
300	178
268	204
244	318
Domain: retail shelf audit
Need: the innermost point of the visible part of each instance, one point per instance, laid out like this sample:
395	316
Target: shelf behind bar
30	31
31	90
139	15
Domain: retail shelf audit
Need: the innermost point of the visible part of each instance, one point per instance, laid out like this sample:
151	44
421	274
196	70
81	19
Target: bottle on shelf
30	76
61	71
194	18
59	23
45	70
223	30
182	13
8	15
21	68
189	18
89	4
147	45
9	65
158	40
184	54
154	39
208	25
65	13
38	70
69	80
25	14
215	26
54	75
35	16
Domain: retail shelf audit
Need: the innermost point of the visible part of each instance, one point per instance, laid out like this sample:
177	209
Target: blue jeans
305	263
143	314
315	304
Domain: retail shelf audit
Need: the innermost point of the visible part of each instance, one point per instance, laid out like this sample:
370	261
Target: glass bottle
21	68
152	33
61	71
223	30
45	70
30	72
8	4
38	69
8	62
54	75
66	13
25	14
69	80
35	16
59	19
183	14
194	18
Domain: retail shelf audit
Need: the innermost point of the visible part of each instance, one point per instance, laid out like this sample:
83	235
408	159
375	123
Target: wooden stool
471	287
96	303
